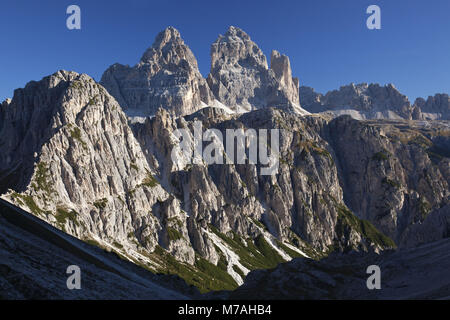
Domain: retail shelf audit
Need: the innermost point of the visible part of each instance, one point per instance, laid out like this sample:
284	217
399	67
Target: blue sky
327	40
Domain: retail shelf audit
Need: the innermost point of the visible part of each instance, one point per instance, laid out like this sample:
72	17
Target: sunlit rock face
434	108
240	77
167	76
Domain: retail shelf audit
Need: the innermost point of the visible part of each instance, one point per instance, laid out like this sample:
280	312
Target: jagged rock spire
167	76
281	66
241	79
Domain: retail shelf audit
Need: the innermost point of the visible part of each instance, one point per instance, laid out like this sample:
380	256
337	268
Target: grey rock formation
311	99
281	66
435	227
240	77
434	108
167	76
286	203
373	101
393	173
71	159
362	101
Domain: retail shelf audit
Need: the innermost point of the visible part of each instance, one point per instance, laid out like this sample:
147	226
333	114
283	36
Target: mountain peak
236	47
167	66
235	33
170	34
169	45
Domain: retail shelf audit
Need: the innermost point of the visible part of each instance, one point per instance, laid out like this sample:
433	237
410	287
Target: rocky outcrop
362	101
392	174
281	66
300	206
78	166
434	108
240	77
435	227
167	76
373	101
311	99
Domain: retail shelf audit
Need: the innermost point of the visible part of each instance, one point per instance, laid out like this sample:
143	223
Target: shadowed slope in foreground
418	273
34	257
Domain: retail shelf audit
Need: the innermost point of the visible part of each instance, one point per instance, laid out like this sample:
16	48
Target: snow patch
270	239
232	258
294	248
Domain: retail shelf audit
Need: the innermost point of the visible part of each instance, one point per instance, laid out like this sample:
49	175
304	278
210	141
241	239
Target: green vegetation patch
218	274
30	203
312	253
289	251
392	183
42	176
259	224
17	198
101	204
93	242
76	84
204	275
270	254
256	255
381	156
62	215
75	133
363	227
174	234
149	181
134	166
175	221
93	101
311	146
117	245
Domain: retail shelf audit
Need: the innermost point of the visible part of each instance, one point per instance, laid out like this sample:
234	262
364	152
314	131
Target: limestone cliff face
392	175
79	167
434	108
167	76
281	66
361	101
302	204
240	77
372	101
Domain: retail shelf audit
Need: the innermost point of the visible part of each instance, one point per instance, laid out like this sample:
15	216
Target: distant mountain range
372	101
